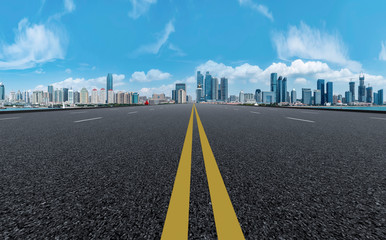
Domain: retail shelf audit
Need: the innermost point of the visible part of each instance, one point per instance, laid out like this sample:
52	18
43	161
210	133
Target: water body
357	108
23	109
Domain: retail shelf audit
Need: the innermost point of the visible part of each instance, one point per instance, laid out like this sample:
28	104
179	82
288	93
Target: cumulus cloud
297	71
155	47
257	7
314	44
69	5
99	82
33	44
151	75
68	70
165	88
140	7
382	53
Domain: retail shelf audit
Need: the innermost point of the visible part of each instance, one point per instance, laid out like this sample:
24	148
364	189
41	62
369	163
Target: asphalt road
109	173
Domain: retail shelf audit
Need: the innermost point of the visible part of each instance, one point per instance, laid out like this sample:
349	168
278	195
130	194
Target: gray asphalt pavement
109	173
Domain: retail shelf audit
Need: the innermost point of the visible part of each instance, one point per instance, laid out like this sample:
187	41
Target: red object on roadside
146	103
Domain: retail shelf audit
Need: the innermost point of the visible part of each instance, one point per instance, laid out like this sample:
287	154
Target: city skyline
165	53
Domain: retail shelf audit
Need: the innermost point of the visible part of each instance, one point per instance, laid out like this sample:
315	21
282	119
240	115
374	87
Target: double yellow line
177	218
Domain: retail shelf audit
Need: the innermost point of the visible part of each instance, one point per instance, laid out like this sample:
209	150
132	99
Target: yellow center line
227	224
177	218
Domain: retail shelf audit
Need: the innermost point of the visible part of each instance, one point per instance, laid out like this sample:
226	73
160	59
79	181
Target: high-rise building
348	97
380	97
208	87
135	98
320	86
269	97
307	96
258	96
369	94
198	95
274	82
109	83
94	96
110	96
174	95
293	96
214	89
278	89
241	96
375	98
283	97
76	97
181	96
317	97
352	90
65	94
120	97
102	96
128	98
249	98
50	93
200	80
178	87
232	98
330	92
2	92
71	96
84	96
224	89
361	89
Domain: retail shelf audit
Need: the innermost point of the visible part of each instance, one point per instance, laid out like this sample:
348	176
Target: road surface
110	173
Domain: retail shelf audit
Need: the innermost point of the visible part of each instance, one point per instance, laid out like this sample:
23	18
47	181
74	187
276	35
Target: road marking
151	109
85	120
77	112
132	112
11	118
227	224
311	112
378	118
298	119
254	112
177	218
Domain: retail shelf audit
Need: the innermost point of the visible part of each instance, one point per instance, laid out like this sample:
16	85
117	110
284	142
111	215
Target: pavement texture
111	177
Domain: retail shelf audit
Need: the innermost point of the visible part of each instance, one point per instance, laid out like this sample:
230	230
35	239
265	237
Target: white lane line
85	120
77	112
11	118
311	112
132	112
254	112
378	118
298	119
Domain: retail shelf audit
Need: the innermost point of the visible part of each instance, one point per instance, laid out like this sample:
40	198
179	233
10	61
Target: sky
149	45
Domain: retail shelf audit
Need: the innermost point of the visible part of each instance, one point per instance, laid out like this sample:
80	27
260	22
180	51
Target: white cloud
40	88
140	7
167	89
302	81
34	44
39	71
151	75
155	47
100	82
312	43
69	5
257	7
382	53
68	70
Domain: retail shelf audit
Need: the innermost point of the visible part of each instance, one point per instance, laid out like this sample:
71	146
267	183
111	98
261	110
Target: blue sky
151	44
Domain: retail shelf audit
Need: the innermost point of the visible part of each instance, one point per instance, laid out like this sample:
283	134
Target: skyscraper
174	95
279	89
208	87
380	97
181	96
375	99
200	80
94	96
330	92
50	93
283	97
102	96
224	89
109	84
348	97
65	94
2	91
135	98
269	97
317	97
110	96
352	90
241	96
258	96
214	89
361	89
178	87
84	96
293	96
71	96
307	96
369	94
320	86
198	95
273	82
